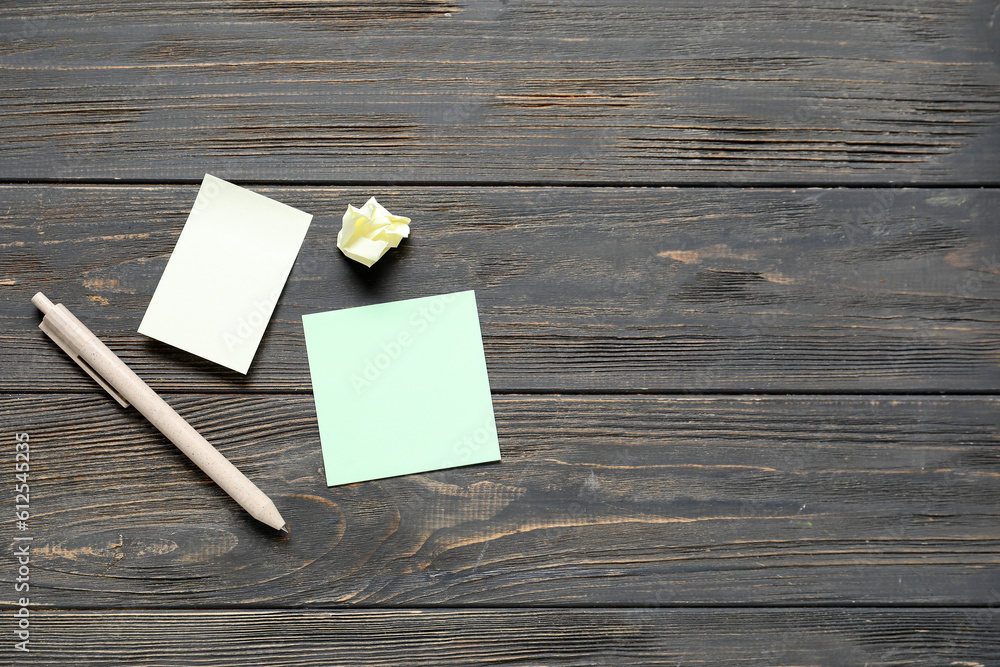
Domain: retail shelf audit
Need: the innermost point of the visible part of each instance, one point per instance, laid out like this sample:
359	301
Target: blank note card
401	388
223	279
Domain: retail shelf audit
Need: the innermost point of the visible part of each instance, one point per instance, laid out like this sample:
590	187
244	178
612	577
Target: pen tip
285	528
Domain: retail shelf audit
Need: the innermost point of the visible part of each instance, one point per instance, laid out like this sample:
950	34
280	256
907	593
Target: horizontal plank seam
870	393
750	185
236	608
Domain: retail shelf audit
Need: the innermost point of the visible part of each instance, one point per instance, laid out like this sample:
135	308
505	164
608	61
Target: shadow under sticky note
401	388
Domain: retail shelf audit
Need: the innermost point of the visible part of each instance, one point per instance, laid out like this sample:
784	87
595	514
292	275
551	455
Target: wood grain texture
503	91
651	636
605	500
579	289
744	422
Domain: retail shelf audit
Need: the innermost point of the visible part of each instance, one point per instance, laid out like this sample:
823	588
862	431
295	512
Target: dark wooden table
738	272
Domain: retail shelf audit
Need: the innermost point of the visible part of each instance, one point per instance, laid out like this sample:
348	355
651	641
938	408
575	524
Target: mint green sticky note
401	388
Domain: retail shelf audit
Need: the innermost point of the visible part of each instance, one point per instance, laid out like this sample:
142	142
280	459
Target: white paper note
223	279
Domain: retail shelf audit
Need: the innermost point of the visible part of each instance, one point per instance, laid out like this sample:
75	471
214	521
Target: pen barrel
179	432
128	388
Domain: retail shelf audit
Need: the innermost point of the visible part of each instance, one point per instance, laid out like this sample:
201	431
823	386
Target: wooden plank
580	289
503	91
518	636
603	500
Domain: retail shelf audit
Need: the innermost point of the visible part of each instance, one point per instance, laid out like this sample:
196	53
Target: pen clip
51	333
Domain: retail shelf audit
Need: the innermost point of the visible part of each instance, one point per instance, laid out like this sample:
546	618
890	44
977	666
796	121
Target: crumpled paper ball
368	232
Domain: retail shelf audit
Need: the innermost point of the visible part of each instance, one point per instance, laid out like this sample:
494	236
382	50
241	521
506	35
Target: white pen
127	388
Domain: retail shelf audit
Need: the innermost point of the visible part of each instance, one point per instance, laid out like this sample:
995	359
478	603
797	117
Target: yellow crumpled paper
368	232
